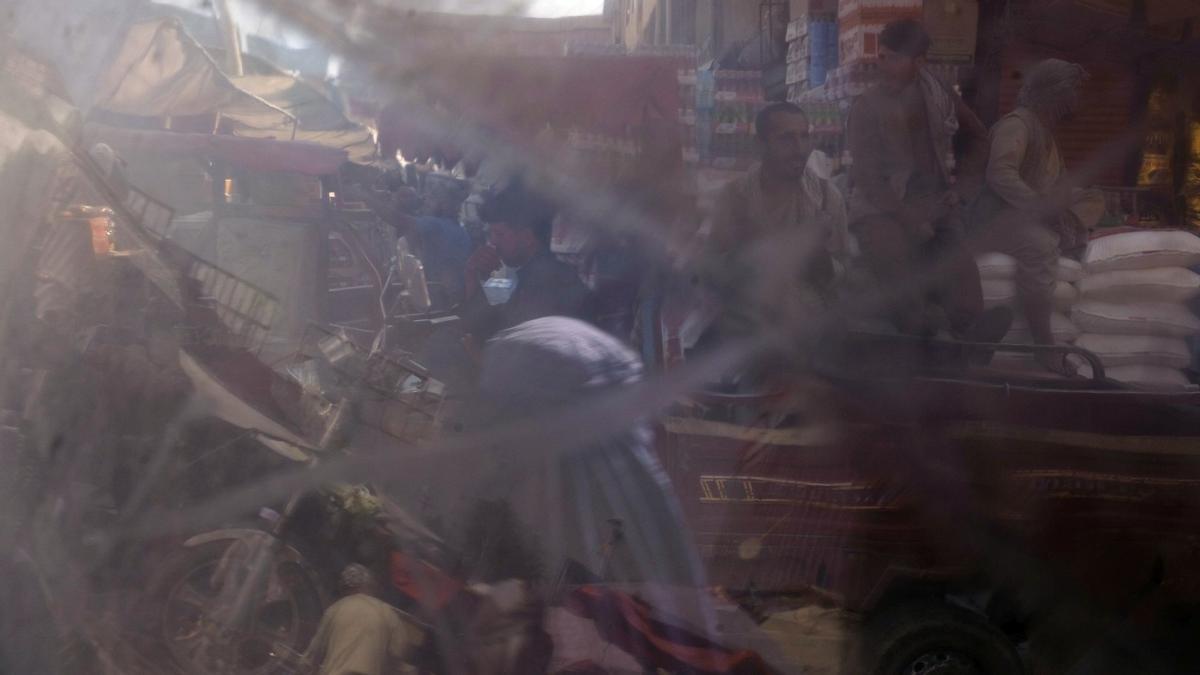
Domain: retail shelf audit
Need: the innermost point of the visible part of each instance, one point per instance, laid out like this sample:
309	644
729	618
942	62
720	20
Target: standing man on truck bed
1025	210
904	203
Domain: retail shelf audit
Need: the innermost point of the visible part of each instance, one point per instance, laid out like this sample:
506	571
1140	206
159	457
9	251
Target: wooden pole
233	48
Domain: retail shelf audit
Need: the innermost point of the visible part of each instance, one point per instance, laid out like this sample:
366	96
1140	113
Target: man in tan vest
1027	210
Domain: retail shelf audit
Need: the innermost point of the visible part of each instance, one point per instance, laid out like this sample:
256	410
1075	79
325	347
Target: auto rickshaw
959	517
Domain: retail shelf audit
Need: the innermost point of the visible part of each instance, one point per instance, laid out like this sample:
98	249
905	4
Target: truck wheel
934	639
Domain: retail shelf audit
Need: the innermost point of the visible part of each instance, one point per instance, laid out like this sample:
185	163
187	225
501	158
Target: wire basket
389	392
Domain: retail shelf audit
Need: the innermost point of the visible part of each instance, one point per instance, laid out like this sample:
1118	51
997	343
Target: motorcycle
249	599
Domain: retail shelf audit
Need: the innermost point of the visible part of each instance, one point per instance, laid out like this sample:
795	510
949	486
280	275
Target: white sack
1060	327
1159	378
1146	318
1162	284
999	292
1144	249
1065	296
1069	270
996	266
1003	293
1131	350
1001	266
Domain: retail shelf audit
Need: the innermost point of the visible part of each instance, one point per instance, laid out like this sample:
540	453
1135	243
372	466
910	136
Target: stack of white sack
998	273
1133	312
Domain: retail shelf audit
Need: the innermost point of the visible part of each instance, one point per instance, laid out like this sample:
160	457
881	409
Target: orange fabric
429	586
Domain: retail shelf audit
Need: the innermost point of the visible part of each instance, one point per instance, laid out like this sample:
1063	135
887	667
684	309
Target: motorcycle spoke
204	636
270	627
188	595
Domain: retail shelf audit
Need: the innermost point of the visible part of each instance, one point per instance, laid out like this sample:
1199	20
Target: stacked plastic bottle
823	49
796	77
812	51
844	82
706	88
689	101
737	97
609	155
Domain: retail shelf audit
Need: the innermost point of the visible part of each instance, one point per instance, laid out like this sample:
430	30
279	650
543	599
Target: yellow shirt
358	634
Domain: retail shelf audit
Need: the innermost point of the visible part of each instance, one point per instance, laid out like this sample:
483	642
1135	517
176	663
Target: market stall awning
261	154
161	72
319	119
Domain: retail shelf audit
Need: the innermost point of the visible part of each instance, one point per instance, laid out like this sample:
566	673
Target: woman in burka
567	491
590	502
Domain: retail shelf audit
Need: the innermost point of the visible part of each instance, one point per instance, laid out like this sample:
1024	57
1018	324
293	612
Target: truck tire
934	639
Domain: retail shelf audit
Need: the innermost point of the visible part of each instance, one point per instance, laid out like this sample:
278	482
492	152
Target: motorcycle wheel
284	618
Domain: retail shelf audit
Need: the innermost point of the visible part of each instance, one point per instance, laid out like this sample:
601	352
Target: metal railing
245	311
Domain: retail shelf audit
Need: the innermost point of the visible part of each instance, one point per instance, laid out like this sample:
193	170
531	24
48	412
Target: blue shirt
443	247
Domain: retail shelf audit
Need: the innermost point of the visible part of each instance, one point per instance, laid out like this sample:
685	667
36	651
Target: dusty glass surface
599	336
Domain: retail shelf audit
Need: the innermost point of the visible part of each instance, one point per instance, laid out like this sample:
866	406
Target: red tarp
431	588
656	640
649	636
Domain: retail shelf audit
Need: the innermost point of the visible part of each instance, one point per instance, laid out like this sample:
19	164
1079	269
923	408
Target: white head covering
1051	86
356	577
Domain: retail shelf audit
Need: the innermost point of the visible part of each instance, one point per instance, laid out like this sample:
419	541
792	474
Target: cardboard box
797	51
800	7
860	23
953	26
797	29
859	43
872	11
874	18
797	73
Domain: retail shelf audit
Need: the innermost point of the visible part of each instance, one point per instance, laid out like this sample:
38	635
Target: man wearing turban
1027	210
